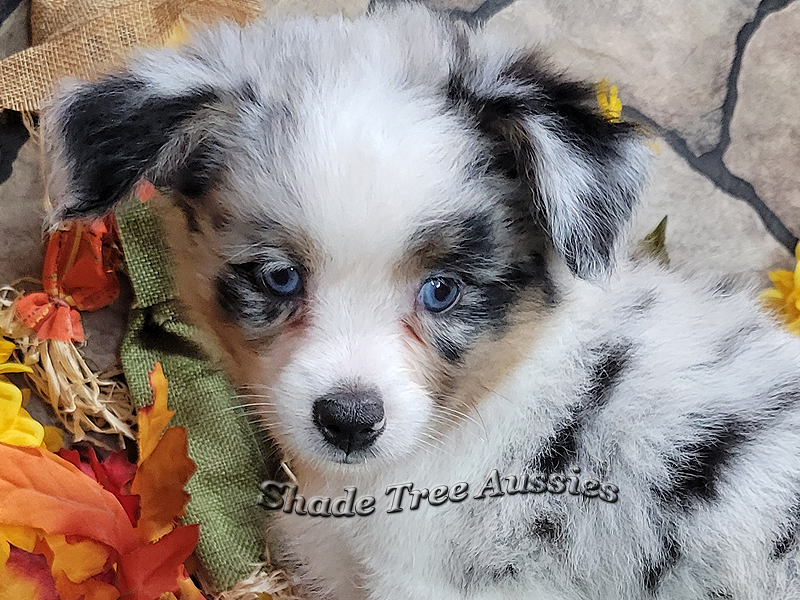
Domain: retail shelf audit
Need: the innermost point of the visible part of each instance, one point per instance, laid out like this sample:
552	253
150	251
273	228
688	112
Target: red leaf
115	474
149	571
27	576
74	458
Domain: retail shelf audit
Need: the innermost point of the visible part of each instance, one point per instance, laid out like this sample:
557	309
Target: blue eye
283	282
438	294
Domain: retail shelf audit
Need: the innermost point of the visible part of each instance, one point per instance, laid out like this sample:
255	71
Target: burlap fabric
82	38
230	461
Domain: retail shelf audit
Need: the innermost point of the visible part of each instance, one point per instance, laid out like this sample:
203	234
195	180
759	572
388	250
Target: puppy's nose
350	419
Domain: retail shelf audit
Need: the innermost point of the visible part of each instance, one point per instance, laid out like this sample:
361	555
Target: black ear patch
584	172
111	133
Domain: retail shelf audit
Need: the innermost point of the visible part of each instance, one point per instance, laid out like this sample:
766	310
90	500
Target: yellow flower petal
771	294
794	326
782	280
10	403
188	590
608	100
25	431
6	348
8	367
16	585
21	537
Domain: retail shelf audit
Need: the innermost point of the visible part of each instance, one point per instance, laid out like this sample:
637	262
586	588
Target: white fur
349	149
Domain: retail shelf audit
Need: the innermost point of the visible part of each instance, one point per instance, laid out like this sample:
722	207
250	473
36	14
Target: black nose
350	419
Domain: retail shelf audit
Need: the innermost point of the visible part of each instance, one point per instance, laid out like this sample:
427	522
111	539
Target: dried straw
83	401
262	585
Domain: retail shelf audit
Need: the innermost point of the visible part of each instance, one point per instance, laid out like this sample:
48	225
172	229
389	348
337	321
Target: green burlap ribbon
229	460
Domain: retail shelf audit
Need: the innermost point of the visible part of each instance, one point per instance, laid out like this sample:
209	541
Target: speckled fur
376	152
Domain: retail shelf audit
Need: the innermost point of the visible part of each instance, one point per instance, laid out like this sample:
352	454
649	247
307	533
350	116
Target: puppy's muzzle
350	419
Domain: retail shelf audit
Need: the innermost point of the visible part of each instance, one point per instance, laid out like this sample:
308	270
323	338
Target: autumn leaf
67	521
159	484
154	418
654	244
26	575
41	490
148	571
115	473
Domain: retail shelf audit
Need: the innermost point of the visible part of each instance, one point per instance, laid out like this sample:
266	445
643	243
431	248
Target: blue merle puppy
399	234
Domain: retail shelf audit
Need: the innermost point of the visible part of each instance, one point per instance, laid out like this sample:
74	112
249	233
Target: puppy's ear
101	137
584	172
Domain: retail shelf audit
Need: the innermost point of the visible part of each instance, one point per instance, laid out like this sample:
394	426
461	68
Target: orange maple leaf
159	484
154	418
42	491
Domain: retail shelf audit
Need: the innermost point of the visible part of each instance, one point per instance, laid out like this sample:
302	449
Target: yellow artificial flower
784	298
608	99
17	427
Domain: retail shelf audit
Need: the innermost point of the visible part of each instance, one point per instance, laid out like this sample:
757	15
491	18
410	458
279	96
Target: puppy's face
371	207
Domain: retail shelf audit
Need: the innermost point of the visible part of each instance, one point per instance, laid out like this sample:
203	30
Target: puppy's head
371	205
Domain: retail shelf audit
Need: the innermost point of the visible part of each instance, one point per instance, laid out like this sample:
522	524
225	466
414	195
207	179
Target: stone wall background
718	80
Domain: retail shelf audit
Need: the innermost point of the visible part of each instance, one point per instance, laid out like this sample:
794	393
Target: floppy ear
584	172
101	137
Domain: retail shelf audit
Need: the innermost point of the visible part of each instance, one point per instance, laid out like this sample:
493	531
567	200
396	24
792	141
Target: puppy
401	234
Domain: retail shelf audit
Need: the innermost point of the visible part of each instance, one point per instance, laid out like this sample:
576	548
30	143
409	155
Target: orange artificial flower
79	273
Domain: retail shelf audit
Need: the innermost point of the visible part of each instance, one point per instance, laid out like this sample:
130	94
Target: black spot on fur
546	527
504	573
470	249
724	286
696	467
656	570
787	542
245	301
188	211
480	576
732	345
113	131
198	173
561	448
571	109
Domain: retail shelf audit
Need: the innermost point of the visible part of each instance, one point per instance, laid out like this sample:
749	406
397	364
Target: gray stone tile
707	229
22	209
461	5
765	129
670	59
348	8
105	329
14	31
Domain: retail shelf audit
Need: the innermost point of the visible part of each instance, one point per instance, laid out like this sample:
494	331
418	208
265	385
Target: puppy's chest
474	522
